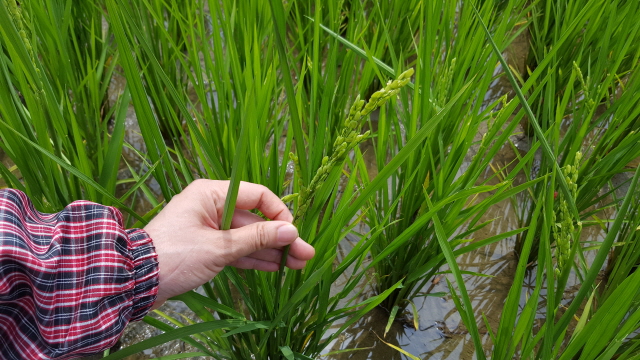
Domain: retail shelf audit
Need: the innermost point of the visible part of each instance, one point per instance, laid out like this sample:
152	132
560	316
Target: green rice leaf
182	356
286	351
109	171
158	324
392	317
195	300
176	334
249	327
467	309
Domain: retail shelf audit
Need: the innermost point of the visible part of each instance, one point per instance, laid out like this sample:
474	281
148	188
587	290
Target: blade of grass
176	334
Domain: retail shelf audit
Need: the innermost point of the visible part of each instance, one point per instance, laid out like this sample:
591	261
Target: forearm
69	282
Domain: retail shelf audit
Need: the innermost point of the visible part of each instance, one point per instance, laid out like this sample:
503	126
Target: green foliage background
264	91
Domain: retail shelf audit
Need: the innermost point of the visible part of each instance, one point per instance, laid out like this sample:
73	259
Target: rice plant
289	312
360	22
56	67
538	323
602	327
286	317
584	101
435	172
270	92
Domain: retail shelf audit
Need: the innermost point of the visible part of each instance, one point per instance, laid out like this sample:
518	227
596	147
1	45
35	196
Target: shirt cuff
145	268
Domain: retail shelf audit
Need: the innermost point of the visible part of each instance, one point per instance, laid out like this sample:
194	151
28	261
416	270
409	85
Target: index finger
255	196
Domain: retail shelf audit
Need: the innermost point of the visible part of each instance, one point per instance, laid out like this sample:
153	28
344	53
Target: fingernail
287	234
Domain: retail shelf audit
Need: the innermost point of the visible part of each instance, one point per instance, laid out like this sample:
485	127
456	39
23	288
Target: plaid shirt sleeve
69	282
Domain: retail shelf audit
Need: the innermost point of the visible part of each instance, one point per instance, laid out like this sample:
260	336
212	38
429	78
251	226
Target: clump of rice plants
280	313
539	323
55	71
603	326
583	101
435	172
289	312
360	22
604	322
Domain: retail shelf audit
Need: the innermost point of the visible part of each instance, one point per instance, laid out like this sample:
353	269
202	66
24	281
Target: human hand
192	249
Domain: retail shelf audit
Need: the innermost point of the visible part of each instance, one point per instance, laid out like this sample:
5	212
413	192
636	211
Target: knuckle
262	236
266	190
197	184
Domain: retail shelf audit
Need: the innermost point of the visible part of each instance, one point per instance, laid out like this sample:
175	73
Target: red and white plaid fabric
69	282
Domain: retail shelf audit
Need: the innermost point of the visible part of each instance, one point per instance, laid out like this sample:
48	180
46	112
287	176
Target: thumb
261	235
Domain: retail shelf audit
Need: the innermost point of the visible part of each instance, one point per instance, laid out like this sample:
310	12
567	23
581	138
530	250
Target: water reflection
367	335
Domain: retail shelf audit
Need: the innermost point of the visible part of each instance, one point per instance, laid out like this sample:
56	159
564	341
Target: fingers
261	259
255	264
254	196
262	240
250	196
271	255
260	235
275	256
243	218
301	250
267	261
